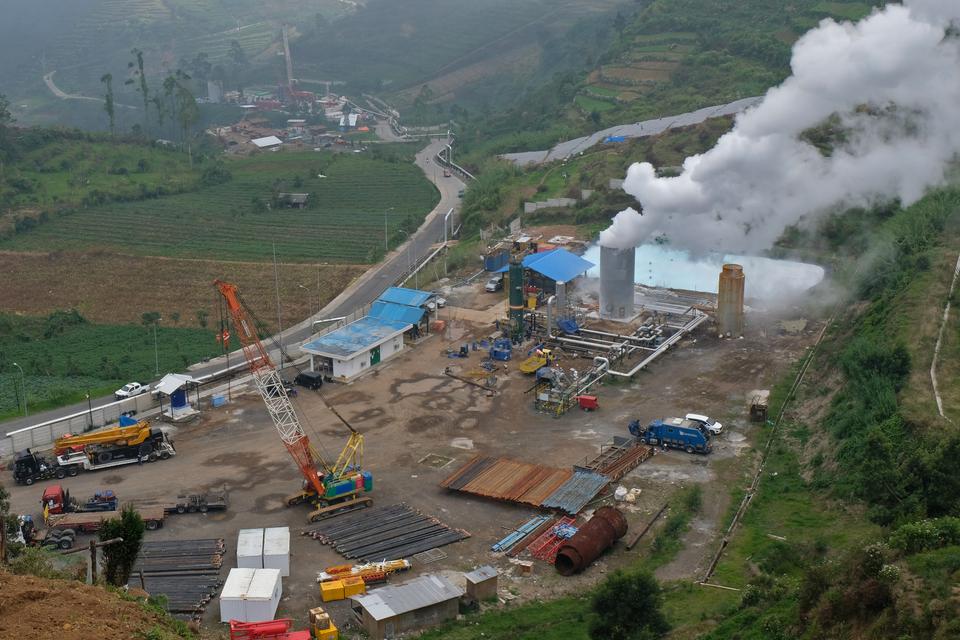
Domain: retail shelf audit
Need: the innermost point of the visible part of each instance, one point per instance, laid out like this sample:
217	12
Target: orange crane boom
271	388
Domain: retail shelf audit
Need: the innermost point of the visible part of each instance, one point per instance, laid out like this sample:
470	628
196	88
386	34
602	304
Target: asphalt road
563	150
362	291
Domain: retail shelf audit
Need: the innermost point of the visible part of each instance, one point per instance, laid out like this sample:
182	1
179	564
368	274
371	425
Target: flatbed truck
29	467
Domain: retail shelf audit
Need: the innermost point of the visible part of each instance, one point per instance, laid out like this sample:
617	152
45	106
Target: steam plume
891	81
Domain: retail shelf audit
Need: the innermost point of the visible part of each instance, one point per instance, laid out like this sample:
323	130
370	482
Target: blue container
367	481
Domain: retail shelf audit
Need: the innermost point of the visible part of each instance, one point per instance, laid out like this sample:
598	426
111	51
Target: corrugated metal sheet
576	492
362	334
396	312
506	479
557	264
402	295
393	600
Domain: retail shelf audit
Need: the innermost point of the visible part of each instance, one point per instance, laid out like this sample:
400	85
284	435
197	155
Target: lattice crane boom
270	385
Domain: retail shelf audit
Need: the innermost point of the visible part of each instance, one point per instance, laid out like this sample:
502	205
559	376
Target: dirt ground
40	283
409	408
37	609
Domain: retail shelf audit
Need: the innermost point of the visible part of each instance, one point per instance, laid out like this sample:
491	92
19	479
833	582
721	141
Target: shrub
627	606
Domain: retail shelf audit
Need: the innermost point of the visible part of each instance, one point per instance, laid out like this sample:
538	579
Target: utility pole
276	280
156	352
23	384
94	545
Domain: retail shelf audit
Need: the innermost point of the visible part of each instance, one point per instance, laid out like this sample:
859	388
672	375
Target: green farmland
64	357
234	220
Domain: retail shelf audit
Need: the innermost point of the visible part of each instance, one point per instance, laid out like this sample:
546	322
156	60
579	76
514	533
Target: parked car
705	423
309	379
130	390
495	283
461	192
446	173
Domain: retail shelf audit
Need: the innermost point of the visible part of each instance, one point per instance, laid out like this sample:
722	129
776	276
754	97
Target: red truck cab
55	500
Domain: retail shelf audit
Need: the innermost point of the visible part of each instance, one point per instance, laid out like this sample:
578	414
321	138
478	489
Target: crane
328	487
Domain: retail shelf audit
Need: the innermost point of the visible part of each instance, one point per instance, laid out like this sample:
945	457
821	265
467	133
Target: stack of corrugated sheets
505	479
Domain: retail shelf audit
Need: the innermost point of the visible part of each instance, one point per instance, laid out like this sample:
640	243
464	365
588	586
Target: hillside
657	59
34	608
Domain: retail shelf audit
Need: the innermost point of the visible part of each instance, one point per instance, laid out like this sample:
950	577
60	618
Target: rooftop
557	264
393	600
360	335
402	295
393	311
269	141
479	575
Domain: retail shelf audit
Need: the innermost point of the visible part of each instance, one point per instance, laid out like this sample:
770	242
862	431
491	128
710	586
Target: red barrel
605	527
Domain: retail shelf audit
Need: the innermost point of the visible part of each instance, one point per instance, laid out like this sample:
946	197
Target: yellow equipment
539	358
123	436
369	572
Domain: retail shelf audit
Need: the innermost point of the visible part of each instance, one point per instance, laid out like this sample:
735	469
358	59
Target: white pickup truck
130	389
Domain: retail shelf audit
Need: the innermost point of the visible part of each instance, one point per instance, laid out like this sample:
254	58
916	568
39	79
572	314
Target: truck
57	500
92	451
199	502
130	390
668	434
62	529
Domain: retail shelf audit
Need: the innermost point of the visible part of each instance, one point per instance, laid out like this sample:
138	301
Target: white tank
616	283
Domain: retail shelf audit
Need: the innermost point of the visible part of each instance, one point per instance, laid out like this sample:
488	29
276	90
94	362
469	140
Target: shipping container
276	549
250	595
250	549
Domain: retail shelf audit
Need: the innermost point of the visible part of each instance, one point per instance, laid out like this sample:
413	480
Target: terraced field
232	221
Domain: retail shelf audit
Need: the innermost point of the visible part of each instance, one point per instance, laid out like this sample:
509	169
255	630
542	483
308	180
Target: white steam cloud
893	82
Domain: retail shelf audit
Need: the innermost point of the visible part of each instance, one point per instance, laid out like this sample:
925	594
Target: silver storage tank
616	283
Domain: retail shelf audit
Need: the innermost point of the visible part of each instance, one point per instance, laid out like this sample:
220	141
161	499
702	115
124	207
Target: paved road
362	291
566	149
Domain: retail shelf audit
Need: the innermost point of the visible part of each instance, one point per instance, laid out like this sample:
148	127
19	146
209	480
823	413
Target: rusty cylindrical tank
605	527
730	301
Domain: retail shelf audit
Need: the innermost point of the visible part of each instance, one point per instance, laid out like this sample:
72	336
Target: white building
351	350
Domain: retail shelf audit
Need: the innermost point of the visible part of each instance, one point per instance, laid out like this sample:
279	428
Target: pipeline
605	527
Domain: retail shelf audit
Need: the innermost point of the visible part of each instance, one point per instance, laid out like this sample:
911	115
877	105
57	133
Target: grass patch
63	357
560	619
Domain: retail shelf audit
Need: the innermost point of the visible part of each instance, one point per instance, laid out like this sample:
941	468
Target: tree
107	79
175	316
142	87
120	557
202	316
626	606
149	318
6	119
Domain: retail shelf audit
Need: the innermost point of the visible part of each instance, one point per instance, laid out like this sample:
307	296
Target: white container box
250	549
276	549
263	596
250	595
231	597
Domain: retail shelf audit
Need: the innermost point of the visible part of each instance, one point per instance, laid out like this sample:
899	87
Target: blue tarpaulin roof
392	311
402	295
557	264
360	335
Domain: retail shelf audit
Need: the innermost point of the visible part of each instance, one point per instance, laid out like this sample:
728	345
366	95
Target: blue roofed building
348	351
547	269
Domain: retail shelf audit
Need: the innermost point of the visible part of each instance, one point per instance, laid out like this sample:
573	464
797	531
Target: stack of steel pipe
605	527
396	531
187	572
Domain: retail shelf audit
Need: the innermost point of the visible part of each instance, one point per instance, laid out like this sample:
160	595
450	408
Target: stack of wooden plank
394	532
187	572
617	458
